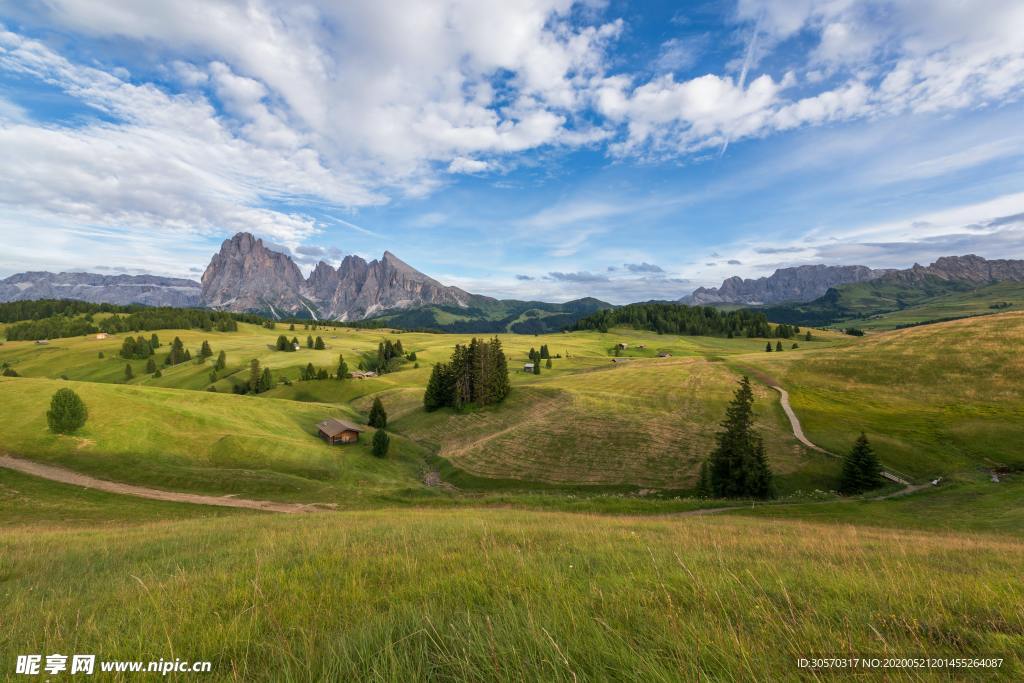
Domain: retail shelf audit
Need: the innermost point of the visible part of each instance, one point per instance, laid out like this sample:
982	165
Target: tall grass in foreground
508	595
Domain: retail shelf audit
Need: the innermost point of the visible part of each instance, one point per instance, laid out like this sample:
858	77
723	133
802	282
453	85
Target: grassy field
935	400
586	423
508	595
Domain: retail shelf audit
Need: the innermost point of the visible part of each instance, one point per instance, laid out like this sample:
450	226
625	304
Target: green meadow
552	537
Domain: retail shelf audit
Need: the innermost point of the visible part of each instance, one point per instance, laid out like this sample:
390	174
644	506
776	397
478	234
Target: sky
531	149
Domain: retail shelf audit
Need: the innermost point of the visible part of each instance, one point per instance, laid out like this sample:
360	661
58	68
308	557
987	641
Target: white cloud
466	165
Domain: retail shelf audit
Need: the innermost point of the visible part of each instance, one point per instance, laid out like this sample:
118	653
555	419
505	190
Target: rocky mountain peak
796	284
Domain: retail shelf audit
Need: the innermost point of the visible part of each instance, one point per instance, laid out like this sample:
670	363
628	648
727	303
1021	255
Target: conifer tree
807	337
158	374
319	345
378	417
254	376
436	395
154	342
309	341
310	372
536	367
768	347
282	343
205	351
222	361
128	374
291	328
188	355
381	443
213	375
150	366
322	374
861	469
778	346
67	412
342	367
266	380
738	467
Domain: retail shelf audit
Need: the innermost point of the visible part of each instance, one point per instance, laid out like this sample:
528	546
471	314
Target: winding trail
66	476
798	432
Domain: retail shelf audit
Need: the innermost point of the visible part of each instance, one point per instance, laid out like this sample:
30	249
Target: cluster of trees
260	380
13	311
284	345
737	468
786	331
50	328
389	356
139	349
476	374
309	373
178	353
665	318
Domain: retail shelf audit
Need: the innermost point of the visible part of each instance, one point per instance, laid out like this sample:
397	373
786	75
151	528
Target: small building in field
527	367
335	431
622	345
102	335
296	346
664	354
42	341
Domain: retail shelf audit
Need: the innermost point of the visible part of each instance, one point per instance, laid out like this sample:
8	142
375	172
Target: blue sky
538	149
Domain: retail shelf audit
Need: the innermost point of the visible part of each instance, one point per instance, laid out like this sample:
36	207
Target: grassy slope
663	412
508	595
955	305
200	441
934	400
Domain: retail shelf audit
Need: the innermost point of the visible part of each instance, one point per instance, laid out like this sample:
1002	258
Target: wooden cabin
335	431
527	367
102	335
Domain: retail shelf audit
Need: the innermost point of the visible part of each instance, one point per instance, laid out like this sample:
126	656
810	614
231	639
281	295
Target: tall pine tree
738	467
861	469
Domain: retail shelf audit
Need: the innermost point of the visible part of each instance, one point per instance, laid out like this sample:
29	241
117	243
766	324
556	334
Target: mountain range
247	276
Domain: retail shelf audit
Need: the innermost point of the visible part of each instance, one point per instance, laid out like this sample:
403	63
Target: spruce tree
381	443
205	351
738	467
319	345
158	374
282	343
768	347
861	469
222	361
213	375
310	372
128	374
536	367
154	342
807	337
291	328
266	380
309	341
150	366
254	376
378	417
778	346
67	412
342	367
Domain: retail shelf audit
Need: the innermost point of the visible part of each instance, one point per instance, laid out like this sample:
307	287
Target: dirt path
798	432
66	476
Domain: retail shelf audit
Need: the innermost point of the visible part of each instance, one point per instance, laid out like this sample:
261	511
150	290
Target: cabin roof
333	427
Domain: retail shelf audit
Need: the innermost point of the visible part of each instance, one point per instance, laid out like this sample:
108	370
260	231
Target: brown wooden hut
335	431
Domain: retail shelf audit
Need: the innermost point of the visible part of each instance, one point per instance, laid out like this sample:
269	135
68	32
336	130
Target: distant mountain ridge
149	290
796	284
245	275
901	289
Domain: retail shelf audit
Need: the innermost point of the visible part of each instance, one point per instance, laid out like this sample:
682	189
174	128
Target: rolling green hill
488	316
889	304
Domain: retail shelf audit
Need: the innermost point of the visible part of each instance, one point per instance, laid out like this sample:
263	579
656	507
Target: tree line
477	374
667	318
